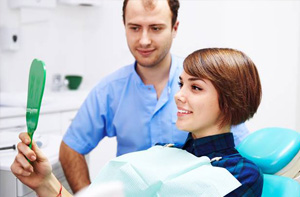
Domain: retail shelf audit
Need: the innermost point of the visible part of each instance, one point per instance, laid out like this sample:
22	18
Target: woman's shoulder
246	172
239	166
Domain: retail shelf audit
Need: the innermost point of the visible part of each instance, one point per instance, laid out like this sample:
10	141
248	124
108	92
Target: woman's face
198	106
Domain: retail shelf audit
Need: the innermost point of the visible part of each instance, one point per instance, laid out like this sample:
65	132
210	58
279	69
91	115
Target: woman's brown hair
235	78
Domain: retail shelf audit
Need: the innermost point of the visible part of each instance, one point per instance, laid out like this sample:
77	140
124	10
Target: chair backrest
276	151
280	186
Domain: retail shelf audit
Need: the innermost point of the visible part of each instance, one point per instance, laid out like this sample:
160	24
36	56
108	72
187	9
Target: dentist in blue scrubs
136	103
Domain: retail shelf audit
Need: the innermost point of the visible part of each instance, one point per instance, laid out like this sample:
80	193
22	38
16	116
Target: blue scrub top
122	105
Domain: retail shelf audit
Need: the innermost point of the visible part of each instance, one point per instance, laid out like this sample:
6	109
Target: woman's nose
179	96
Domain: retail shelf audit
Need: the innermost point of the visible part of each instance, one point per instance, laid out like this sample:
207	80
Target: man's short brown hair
173	4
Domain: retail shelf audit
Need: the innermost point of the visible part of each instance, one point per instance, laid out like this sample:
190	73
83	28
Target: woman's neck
216	130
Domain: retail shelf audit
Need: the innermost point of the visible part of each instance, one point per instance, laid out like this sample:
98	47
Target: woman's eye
196	88
180	84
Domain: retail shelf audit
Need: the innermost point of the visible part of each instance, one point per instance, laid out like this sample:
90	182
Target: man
135	103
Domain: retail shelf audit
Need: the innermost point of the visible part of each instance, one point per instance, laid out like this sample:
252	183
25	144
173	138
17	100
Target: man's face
149	31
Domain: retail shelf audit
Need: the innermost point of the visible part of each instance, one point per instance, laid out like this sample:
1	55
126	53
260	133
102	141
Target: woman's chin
181	127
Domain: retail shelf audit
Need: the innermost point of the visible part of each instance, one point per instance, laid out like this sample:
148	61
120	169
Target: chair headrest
271	148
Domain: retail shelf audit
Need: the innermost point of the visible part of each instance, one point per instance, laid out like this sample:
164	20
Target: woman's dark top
221	147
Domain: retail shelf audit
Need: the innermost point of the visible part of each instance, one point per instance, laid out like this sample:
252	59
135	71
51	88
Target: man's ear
175	28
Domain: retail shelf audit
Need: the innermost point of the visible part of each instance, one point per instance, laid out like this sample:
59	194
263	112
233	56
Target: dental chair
277	152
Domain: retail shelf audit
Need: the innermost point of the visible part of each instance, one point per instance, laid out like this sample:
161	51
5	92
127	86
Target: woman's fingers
39	154
25	150
24	163
33	154
24	137
21	167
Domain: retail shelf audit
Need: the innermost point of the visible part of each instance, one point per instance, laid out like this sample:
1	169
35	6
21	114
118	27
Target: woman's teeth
183	111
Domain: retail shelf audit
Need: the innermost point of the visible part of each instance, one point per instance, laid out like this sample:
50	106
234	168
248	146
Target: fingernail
33	157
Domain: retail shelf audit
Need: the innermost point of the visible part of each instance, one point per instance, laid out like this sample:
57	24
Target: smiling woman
220	88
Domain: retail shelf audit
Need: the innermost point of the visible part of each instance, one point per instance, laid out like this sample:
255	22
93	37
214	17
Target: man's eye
134	28
156	28
196	88
180	84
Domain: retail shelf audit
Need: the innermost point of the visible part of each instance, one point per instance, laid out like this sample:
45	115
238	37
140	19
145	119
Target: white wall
74	40
268	31
91	41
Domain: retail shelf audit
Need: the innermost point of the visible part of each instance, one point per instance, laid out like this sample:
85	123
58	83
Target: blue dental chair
277	152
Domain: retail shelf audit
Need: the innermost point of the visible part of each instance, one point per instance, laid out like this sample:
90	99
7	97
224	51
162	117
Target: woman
218	88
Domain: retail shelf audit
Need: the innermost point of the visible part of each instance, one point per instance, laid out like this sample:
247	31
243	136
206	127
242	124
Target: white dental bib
164	171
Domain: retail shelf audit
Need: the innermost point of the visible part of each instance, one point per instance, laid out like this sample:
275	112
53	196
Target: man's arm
75	168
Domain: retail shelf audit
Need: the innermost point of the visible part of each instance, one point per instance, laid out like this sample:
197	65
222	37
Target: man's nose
145	39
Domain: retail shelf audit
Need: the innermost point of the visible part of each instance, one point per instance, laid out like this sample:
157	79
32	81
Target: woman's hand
36	173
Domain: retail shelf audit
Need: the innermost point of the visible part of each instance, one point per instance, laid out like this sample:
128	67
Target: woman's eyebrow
196	79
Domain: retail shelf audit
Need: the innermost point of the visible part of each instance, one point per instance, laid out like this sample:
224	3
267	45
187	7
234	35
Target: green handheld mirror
36	84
